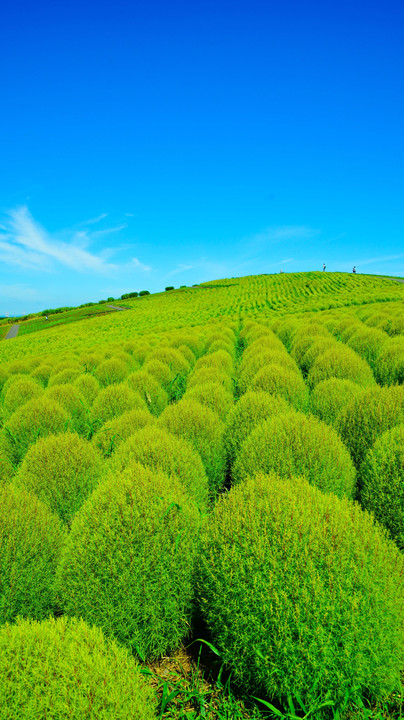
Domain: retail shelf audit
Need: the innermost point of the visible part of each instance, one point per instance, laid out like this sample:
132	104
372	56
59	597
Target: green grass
64	318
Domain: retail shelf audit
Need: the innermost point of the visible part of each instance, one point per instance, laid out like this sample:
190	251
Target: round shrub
382	482
210	375
204	430
3	376
159	450
340	362
367	416
88	386
61	470
37	418
187	354
71	399
250	366
171	357
283	381
298	586
214	396
252	409
368	343
24	388
220	360
160	371
90	360
317	348
297	444
114	400
116	431
128	562
68	375
389	366
149	389
111	371
42	373
30	543
62	669
331	396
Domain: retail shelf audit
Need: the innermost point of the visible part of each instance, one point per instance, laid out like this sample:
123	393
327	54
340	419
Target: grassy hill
221	462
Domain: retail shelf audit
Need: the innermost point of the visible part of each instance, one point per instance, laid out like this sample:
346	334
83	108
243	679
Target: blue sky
171	143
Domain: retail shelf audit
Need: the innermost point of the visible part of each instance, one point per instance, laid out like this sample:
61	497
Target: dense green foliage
61	470
382	482
30	543
296	444
63	669
131	544
298	586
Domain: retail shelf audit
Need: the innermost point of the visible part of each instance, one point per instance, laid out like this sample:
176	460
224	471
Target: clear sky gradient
171	143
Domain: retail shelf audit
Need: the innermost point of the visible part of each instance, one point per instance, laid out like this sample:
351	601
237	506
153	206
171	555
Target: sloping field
221	462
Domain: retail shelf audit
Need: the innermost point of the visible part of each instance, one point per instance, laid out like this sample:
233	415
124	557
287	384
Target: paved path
13	332
113	307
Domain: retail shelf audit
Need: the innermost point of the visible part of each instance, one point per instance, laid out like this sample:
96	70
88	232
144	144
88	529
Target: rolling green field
202	504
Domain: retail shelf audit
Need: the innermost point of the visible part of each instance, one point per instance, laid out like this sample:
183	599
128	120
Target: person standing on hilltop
323	267
354	270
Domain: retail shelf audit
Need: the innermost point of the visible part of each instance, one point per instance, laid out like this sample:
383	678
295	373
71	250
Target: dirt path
13	332
113	307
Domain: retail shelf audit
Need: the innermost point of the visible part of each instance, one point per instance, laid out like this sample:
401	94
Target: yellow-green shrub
149	389
298	444
367	416
6	466
220	360
160	450
252	409
331	396
204	430
171	357
340	362
62	669
128	562
116	431
88	386
160	371
24	388
368	343
114	400
30	542
250	366
210	374
283	381
42	373
4	375
37	418
112	370
65	376
302	593
61	470
389	366
71	399
317	348
382	482
214	396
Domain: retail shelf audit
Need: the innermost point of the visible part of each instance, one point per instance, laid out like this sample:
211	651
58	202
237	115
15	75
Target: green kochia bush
111	371
30	542
283	381
331	396
214	396
159	450
367	416
115	431
297	586
252	409
389	366
62	470
296	444
340	362
204	430
382	482
149	389
63	669
23	388
71	399
37	418
114	400
128	563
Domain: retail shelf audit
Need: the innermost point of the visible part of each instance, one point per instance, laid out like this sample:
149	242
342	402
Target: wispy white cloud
134	262
288	260
95	220
26	244
180	269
